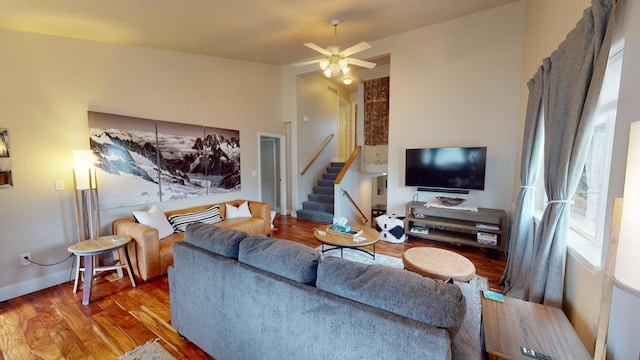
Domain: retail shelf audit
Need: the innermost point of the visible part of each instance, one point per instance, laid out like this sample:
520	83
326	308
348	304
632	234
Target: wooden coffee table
368	237
88	249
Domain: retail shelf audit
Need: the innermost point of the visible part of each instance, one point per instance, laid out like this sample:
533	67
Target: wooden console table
515	323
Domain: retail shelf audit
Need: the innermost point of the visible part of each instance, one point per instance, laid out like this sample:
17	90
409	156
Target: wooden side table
515	323
89	248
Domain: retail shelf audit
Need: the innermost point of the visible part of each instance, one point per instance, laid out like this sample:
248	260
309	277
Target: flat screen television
446	168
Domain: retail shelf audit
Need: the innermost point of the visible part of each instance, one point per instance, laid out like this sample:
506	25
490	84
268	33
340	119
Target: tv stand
457	226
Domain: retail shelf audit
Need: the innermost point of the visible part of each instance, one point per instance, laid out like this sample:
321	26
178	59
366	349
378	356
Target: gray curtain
572	79
516	274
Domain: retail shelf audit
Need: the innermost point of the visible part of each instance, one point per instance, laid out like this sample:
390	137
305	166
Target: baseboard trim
29	286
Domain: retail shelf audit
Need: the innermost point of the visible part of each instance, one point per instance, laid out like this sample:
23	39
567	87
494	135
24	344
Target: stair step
327	199
314	215
329	176
328	183
318	206
337	164
334	170
323	190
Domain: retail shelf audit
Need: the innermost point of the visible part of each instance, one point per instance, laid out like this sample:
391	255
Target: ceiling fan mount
337	61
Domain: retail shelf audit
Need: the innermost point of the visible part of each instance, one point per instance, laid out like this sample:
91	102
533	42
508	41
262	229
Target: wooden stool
438	264
87	249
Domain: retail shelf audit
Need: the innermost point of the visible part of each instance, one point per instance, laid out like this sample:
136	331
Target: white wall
458	84
48	84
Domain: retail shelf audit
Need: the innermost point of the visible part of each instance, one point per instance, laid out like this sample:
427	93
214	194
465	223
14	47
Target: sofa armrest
145	259
262	210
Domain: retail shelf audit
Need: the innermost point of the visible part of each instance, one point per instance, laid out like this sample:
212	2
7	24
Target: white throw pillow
236	212
155	218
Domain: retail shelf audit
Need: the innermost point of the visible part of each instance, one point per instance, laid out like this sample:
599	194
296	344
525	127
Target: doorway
271	174
345	126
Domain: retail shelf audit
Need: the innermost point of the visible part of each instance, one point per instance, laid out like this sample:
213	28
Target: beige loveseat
151	256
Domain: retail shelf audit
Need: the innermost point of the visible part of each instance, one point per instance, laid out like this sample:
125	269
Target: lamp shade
84	171
627	270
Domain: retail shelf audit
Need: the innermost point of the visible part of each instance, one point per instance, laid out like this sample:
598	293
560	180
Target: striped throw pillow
208	216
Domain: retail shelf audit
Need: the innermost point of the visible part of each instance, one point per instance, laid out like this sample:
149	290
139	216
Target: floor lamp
618	337
87	209
84	179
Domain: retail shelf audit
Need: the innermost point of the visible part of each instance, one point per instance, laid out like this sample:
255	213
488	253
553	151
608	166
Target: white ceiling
270	32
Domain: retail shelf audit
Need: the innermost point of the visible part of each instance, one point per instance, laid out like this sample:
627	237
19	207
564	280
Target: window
590	199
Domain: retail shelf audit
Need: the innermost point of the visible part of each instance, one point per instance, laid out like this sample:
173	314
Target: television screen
446	168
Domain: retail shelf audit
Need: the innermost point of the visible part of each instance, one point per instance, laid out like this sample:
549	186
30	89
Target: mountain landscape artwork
142	161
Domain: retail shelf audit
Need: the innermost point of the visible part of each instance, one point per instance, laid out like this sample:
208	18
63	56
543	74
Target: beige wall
317	101
48	84
439	75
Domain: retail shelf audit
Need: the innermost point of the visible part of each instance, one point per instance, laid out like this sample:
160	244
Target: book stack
487	238
420	230
487	226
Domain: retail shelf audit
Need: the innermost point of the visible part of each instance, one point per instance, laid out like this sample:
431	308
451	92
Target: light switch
59	185
254	173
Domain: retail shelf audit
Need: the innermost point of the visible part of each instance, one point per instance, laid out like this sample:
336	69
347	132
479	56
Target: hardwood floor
52	323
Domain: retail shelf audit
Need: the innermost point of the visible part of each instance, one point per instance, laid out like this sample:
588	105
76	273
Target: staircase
319	207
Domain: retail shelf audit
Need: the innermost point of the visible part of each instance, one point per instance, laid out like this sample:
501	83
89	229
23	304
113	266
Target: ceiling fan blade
318	49
362	63
308	62
355	49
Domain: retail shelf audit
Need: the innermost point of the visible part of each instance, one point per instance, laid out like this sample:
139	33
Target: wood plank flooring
52	323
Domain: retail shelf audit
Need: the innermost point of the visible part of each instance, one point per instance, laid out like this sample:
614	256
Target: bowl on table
449	201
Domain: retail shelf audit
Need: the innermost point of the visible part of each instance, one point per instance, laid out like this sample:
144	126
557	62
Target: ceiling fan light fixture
327	72
335	67
345	70
343	63
324	64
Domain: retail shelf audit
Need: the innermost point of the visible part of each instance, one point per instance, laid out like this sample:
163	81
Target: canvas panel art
142	161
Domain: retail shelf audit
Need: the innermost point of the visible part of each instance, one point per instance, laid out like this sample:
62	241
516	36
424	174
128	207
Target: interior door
269	171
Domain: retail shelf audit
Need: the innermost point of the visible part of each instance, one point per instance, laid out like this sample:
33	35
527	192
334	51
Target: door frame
281	161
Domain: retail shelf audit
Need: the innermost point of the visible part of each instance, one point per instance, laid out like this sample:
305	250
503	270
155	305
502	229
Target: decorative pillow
286	258
236	212
222	241
208	216
155	218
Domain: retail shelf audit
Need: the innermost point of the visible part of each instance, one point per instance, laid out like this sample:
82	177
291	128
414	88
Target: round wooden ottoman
438	264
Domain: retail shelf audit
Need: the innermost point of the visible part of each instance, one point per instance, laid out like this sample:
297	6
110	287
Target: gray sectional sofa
241	297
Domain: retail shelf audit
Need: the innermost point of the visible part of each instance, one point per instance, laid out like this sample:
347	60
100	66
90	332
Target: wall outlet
23	261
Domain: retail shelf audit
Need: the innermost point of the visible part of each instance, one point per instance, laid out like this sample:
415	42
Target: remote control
535	354
118	238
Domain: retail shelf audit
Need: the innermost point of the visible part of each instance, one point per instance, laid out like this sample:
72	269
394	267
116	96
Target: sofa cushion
156	219
398	291
208	216
286	258
221	241
232	212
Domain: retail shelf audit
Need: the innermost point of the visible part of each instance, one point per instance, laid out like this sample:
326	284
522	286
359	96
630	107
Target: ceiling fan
338	61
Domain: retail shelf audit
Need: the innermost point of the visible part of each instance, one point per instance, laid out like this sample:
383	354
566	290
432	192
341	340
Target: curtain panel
572	78
376	120
516	275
